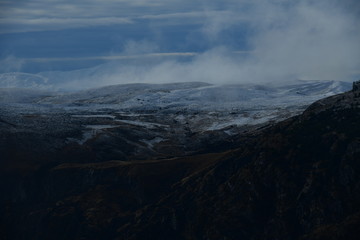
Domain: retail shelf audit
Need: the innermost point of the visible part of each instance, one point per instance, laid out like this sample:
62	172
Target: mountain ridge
297	179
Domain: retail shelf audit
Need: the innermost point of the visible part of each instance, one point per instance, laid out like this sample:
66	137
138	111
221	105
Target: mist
285	41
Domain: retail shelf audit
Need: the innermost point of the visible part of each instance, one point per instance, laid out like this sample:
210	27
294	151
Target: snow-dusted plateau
133	121
187	160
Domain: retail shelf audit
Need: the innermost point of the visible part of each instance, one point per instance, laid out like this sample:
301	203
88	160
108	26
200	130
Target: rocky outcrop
356	86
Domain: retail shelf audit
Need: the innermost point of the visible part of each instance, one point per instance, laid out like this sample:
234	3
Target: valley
176	162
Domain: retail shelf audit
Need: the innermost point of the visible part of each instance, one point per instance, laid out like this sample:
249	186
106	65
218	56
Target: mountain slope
299	179
203	95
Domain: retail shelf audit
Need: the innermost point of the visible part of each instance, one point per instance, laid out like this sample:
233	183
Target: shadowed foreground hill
298	179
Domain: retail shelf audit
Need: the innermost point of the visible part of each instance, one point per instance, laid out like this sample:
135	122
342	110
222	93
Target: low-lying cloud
286	40
301	41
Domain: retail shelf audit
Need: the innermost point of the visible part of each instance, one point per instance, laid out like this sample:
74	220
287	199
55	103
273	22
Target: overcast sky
159	41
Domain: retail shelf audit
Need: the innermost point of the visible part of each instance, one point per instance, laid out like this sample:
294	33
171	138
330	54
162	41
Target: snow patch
152	142
143	124
89	134
94	116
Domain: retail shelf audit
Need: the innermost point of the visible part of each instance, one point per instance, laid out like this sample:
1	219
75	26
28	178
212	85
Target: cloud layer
279	40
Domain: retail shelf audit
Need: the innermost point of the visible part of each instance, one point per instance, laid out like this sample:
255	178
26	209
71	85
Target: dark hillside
298	179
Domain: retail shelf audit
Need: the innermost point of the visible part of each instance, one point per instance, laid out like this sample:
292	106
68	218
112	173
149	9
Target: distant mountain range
247	103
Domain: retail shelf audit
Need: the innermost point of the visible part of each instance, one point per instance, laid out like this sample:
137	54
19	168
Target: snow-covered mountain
22	95
141	121
192	95
23	80
188	107
130	172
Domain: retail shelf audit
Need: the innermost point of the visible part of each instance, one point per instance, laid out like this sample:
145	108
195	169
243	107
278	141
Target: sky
91	43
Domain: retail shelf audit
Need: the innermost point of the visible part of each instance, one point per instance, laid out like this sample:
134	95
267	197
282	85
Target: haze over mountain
177	41
193	120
